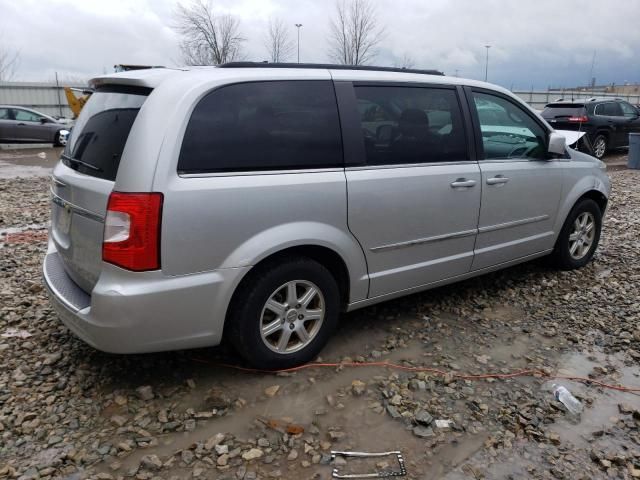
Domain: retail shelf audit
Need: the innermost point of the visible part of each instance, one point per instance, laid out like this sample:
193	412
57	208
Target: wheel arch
326	256
589	187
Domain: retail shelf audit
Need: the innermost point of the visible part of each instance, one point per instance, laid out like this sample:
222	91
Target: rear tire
600	146
579	236
284	313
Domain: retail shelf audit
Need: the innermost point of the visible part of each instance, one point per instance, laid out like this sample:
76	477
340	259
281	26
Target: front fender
598	182
295	234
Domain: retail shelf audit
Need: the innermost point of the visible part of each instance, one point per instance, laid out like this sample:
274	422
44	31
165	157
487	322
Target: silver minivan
256	202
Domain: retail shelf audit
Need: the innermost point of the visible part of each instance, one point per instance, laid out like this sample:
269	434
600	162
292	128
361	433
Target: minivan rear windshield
563	110
101	131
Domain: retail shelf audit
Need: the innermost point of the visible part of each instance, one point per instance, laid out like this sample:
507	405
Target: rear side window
25	116
609	109
561	111
4	114
403	125
101	131
263	126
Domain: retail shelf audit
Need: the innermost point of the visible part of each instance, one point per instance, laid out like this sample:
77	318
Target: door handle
462	183
497	180
21	124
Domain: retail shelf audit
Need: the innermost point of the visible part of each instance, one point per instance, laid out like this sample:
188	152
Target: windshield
100	134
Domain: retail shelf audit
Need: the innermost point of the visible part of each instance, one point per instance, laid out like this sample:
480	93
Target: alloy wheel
292	316
582	235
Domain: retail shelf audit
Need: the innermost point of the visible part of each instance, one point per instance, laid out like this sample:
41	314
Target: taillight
582	118
132	231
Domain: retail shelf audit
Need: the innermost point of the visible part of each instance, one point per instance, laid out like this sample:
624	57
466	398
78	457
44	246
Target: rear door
413	187
521	188
83	180
611	116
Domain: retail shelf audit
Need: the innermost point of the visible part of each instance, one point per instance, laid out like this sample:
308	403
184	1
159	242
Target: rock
625	408
272	390
358	387
423	432
222	449
393	411
293	455
213	441
252	454
482	359
187	456
118	420
52	358
217	398
423	417
145	393
223	460
151	462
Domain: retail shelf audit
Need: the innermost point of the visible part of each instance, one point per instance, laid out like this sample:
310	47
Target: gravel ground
68	411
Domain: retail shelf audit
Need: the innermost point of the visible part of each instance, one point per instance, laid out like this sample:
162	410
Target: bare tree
406	62
355	32
277	42
9	61
208	38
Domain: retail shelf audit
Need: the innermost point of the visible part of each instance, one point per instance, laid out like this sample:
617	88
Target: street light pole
298	25
486	65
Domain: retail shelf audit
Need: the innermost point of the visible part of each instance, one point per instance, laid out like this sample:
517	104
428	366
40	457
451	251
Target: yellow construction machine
76	102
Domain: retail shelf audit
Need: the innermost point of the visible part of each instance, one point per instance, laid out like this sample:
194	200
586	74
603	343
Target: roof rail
327	66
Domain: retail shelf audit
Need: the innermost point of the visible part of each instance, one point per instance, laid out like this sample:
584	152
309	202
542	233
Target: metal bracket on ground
400	472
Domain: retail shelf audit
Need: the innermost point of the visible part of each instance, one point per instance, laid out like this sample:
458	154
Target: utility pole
486	65
298	25
58	93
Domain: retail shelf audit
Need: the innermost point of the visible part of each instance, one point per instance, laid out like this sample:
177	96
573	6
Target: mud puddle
601	405
28	163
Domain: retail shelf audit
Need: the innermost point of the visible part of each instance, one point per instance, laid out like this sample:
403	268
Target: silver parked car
23	125
256	202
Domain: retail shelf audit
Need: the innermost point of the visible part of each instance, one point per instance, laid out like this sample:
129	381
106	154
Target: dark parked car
23	125
607	121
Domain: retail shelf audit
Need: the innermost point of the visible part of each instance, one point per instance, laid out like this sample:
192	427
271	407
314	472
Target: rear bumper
142	312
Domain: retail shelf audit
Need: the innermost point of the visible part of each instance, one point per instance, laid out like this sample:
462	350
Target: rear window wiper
80	162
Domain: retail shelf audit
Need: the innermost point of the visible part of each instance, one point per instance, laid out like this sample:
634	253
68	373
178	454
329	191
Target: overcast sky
534	43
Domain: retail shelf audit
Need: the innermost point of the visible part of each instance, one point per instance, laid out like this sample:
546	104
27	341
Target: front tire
579	236
57	140
284	313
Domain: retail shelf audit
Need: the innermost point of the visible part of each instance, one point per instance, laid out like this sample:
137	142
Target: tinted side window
507	130
4	114
24	116
609	109
264	126
411	125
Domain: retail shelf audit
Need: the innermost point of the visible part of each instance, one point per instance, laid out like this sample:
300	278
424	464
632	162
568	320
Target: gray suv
257	202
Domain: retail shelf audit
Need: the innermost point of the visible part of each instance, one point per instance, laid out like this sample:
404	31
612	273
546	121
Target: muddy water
303	399
28	162
601	405
321	398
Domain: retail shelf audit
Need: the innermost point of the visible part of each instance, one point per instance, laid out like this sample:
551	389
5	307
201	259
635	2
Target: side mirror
557	143
44	120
